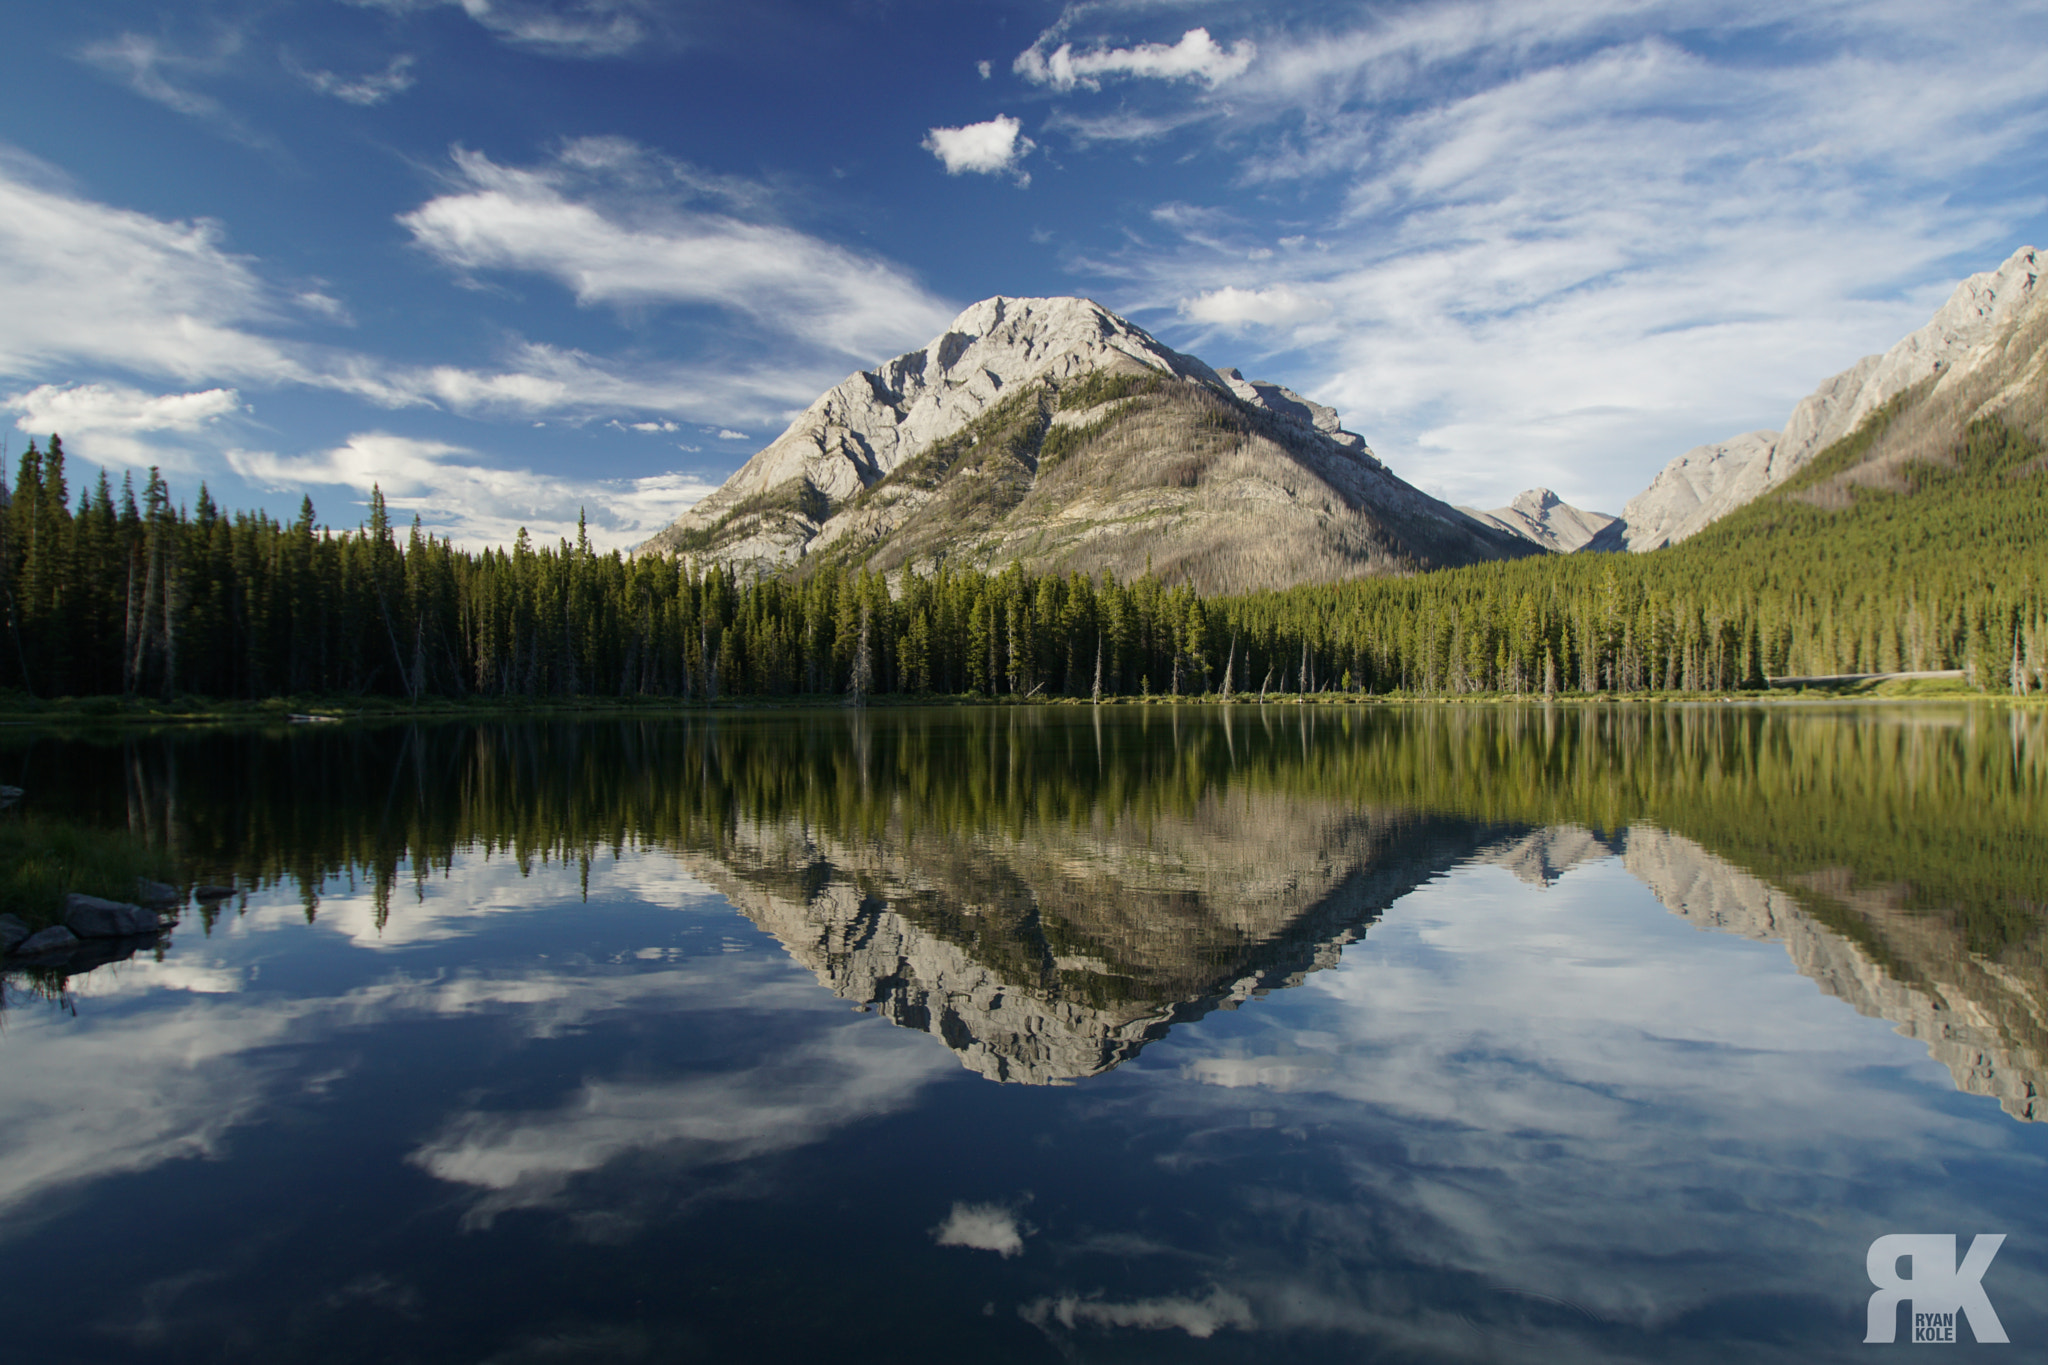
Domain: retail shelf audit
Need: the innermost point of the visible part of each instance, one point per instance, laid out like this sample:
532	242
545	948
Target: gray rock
91	917
1962	353
57	939
1541	517
875	421
12	933
210	892
8	796
152	893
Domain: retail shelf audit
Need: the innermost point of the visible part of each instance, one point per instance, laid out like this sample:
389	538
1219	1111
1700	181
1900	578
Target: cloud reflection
793	1099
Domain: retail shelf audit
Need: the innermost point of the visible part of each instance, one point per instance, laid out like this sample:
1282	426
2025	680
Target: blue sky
513	258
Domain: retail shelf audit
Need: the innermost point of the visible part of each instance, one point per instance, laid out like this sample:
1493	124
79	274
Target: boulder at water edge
57	939
91	917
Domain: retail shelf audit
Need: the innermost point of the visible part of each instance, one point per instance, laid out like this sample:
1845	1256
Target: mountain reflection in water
1049	890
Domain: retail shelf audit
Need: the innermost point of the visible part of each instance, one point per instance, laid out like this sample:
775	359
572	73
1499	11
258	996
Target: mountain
1981	356
1050	954
1883	958
1540	517
1054	433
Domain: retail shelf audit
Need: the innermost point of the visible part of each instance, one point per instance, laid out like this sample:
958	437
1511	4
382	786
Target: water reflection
1047	893
483	1065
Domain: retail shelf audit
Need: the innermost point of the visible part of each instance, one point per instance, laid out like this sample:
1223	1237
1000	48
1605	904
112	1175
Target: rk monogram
1938	1288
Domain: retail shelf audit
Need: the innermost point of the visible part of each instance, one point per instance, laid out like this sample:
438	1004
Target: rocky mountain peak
1960	354
1154	456
1543	518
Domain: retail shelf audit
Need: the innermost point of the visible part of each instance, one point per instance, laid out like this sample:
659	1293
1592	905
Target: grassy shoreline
69	712
43	860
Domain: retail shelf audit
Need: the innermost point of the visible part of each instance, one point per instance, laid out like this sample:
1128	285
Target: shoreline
96	712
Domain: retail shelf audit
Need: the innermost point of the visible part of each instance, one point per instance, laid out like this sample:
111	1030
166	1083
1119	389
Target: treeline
120	596
1937	814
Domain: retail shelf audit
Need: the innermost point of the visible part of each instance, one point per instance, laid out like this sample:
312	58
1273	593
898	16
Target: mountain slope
1980	356
1054	433
1542	518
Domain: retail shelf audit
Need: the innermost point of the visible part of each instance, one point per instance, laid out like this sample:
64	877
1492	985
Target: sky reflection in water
1431	1084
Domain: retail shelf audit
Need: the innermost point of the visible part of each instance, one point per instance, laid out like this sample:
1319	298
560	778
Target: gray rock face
12	933
797	494
92	917
1962	342
875	420
1246	895
1541	517
1957	1017
1288	405
56	939
1541	857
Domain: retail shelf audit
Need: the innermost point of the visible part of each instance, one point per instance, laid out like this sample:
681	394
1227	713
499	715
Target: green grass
43	860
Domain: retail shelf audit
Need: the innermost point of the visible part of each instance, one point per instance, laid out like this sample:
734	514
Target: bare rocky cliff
1054	433
1982	353
1985	1023
1542	518
1051	953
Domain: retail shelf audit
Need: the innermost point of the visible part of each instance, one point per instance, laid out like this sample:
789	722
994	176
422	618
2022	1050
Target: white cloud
378	86
148	67
1196	57
557	28
109	286
983	68
1203	1317
1280	305
597	220
793	1099
1122	125
106	423
116	290
1577	238
981	1227
728	434
981	148
458	495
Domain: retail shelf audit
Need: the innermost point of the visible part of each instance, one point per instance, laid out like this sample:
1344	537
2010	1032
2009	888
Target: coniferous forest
115	593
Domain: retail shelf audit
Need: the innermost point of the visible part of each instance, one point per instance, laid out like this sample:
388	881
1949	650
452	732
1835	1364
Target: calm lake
1328	1033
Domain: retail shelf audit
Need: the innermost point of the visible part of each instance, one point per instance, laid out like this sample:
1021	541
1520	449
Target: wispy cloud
557	28
465	497
116	291
595	219
160	70
113	424
110	286
1199	1317
528	1159
1196	57
151	68
1281	305
371	89
1562	241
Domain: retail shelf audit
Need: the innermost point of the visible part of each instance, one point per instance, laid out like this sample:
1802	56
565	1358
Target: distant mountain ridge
1053	433
1982	354
1542	518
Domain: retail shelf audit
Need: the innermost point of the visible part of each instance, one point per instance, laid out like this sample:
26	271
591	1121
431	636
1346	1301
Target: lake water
1318	1034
